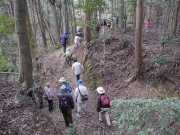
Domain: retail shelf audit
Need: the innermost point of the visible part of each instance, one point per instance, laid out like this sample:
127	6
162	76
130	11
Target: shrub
147	116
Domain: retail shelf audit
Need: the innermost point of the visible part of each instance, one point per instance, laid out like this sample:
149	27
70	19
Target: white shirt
78	68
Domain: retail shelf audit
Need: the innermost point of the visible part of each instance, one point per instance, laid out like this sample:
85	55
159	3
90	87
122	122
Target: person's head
48	84
77	35
148	19
62	80
75	60
100	90
63	88
80	82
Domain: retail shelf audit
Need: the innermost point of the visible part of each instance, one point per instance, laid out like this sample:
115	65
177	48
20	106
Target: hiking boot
83	112
78	114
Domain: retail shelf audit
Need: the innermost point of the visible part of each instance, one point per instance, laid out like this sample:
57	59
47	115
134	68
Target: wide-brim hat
100	90
62	79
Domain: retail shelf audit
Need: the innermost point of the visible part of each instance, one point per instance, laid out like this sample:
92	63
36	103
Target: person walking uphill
79	92
64	82
50	95
66	104
78	69
63	41
103	101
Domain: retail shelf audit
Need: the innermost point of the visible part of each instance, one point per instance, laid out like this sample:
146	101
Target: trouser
67	115
64	48
81	107
50	104
106	116
40	100
78	77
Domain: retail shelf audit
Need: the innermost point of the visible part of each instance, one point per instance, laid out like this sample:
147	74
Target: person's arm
75	95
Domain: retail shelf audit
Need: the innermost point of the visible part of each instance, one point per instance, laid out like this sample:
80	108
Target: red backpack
105	101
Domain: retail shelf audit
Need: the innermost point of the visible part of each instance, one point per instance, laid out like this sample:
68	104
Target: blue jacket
63	38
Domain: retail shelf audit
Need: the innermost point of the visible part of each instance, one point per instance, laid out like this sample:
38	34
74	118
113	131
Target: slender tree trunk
29	29
40	19
176	18
121	17
25	60
12	7
87	30
65	16
56	23
138	34
134	13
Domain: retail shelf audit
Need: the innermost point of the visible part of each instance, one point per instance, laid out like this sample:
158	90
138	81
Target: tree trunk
87	30
176	18
134	14
138	34
12	8
25	61
40	19
29	29
56	24
65	16
121	17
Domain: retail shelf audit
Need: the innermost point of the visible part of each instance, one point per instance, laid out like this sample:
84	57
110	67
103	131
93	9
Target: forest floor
112	68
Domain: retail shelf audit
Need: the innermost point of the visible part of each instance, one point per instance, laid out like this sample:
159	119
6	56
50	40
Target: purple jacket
63	38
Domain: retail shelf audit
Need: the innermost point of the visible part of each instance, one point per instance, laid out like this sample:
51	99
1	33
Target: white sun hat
63	87
62	79
100	90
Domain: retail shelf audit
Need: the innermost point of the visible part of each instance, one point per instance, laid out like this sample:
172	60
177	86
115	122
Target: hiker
81	105
78	69
103	101
63	41
38	90
108	25
76	41
68	56
66	104
50	95
64	82
79	31
98	27
103	22
147	24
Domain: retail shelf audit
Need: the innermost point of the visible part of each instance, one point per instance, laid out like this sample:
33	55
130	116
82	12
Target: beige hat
62	79
100	90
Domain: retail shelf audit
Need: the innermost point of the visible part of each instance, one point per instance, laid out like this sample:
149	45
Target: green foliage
162	59
92	5
6	24
6	66
72	130
146	116
92	76
163	39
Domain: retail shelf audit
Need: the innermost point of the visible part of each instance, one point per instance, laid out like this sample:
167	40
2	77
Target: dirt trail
88	124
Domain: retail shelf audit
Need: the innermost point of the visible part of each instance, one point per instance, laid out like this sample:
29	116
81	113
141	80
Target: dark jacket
63	38
99	105
70	100
103	22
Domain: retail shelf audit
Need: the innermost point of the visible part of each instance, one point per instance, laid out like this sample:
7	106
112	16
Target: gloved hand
76	100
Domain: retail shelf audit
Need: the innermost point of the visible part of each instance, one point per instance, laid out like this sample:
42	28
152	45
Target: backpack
105	101
68	87
63	101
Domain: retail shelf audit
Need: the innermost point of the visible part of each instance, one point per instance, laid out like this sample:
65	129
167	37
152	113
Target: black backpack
64	101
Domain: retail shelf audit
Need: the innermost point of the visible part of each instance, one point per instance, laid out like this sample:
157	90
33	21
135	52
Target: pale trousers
106	116
81	107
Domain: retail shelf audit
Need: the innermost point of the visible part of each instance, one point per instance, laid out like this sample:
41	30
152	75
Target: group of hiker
66	100
65	97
